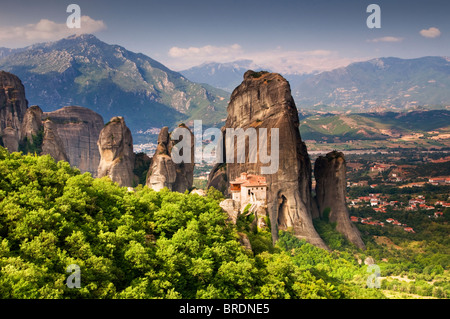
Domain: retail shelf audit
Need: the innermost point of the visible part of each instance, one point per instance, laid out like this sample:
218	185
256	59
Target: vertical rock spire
264	100
330	174
115	145
163	172
13	106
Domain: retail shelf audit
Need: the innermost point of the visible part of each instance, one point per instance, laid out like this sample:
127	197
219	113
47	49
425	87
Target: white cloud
196	55
386	39
277	60
46	30
430	33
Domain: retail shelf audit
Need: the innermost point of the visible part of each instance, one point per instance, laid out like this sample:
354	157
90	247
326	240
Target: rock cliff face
79	130
115	145
263	100
218	178
164	172
330	171
70	133
32	123
13	106
185	171
52	143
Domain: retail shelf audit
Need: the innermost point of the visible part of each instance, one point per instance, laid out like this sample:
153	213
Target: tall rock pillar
264	101
115	145
13	106
330	174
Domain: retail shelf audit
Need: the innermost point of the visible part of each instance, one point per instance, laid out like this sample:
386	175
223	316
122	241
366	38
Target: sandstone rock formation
184	171
10	138
164	172
231	208
52	143
263	100
13	106
330	172
32	123
79	130
218	178
70	133
115	145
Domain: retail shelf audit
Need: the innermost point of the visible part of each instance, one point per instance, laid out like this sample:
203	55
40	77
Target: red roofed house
416	201
249	188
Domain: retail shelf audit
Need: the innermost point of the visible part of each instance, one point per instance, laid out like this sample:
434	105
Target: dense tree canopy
147	244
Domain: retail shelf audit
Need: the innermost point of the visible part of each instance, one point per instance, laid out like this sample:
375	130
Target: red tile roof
250	180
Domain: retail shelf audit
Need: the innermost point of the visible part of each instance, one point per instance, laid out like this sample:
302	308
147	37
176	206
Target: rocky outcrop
52	143
70	133
164	172
330	174
185	171
115	145
231	208
13	106
79	130
218	178
263	100
32	123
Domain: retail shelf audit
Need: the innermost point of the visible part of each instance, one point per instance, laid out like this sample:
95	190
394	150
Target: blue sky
287	36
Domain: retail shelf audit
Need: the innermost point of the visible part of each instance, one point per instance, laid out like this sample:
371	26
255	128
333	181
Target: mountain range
82	70
227	76
382	84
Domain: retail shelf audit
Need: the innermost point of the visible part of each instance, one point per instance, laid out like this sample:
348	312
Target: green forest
147	244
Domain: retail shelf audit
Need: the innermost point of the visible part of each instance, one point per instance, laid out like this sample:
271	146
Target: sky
293	36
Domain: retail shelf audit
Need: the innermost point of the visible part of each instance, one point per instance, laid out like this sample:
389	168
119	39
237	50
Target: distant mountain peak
226	76
83	36
83	70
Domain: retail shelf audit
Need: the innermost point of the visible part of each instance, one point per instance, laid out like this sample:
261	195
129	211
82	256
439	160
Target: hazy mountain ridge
228	76
382	83
82	70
